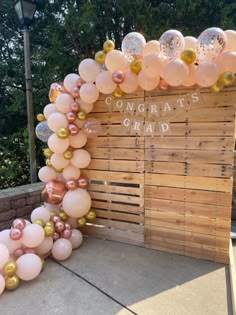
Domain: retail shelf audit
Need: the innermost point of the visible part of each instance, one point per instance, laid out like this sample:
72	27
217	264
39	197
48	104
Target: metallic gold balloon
100	57
49	230
63	133
108	45
12	283
54	192
43	263
47	153
48	162
59	170
40	117
52	213
227	78
91	215
118	93
68	155
81	221
10	268
39	222
217	87
81	115
55	90
63	215
50	223
136	66
188	56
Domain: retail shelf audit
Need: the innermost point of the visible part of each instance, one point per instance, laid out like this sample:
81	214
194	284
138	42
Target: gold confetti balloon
227	78
91	215
100	57
10	268
108	45
12	283
188	56
63	133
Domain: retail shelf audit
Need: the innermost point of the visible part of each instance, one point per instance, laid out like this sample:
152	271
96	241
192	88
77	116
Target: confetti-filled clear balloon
132	45
42	131
92	128
211	43
171	44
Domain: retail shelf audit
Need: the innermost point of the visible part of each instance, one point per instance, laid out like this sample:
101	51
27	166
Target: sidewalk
108	278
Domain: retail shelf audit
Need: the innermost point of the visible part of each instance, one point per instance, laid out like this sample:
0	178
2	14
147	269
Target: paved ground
108	278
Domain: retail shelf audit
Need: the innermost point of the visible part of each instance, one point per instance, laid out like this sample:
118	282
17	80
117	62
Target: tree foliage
66	31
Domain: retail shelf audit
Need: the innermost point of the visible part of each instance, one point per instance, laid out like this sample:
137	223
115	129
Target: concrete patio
107	278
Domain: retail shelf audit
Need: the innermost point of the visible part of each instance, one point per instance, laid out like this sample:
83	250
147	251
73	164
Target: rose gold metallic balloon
163	85
71	184
60	226
55	90
75	92
80	82
73	129
18	252
56	236
71	117
54	192
82	182
19	224
75	107
15	234
67	226
66	233
118	77
56	218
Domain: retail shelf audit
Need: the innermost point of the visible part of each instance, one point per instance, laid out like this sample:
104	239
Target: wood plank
127	226
117	198
119	216
116	189
112	165
192	182
117	207
116	142
116	177
116	154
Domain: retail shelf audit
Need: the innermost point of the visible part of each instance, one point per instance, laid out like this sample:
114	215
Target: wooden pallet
170	193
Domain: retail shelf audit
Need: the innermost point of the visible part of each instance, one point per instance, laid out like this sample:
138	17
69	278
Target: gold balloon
217	87
39	222
68	155
10	268
43	263
100	57
40	117
81	221
188	56
108	45
63	133
227	78
91	215
59	170
52	213
47	153
50	223
63	215
48	162
12	283
81	115
118	93
136	66
49	230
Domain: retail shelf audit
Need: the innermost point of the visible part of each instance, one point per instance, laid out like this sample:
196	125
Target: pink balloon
2	284
153	46
45	246
78	141
89	93
176	72
226	62
51	207
85	107
28	267
56	121
152	65
88	70
231	40
73	222
40	213
4	255
190	81
8	242
115	60
71	172
62	249
70	81
76	238
190	42
132	45
49	109
57	145
206	74
58	160
33	235
63	102
146	83
76	203
81	158
47	174
130	84
104	82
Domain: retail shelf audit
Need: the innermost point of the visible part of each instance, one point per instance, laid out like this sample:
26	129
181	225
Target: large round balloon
146	83
57	145
231	40
40	213
63	102
176	72
70	81
130	83
61	249
226	62
171	44
81	158
132	45
33	235
211	43
8	242
206	74
76	203
49	109
89	93
57	121
104	82
71	172
152	65
42	131
28	266
153	46
4	255
88	70
115	60
46	174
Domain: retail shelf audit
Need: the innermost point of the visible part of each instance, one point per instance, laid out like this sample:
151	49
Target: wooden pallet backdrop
171	193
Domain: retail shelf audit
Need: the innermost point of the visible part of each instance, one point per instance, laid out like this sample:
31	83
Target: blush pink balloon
45	246
81	158
63	102
206	74
66	233
18	252
56	121
49	109
130	83
190	42
62	249
115	60
226	62
190	81
57	145
58	160
70	81
40	213
152	66
78	141
46	174
231	40
88	70
8	242
85	107
176	72
51	207
33	235
73	222
89	93
28	266
146	83
71	172
153	46
76	203
76	238
2	284
4	255
104	82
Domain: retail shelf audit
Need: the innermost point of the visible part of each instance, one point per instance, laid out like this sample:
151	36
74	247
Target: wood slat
116	189
116	154
116	177
112	165
117	207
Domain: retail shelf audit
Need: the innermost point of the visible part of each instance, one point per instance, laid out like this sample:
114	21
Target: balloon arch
208	61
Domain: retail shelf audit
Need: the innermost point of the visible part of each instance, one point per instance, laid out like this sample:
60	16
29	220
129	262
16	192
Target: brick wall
18	202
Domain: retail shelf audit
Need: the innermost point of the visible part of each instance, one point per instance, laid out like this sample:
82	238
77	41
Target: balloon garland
209	61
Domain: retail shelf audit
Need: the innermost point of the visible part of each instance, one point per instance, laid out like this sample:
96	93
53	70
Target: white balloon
88	70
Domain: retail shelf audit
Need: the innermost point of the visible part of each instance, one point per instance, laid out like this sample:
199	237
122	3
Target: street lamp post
25	10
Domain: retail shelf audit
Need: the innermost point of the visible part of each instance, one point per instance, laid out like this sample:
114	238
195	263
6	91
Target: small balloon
100	57
59	226
12	283
66	233
188	56
28	266
71	184
163	85
171	44
136	66
118	93
70	81
83	183
118	77
132	45
15	234
76	238
227	78
55	90
217	87
19	224
71	117
54	192
108	45
42	131
92	128
61	249
10	268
